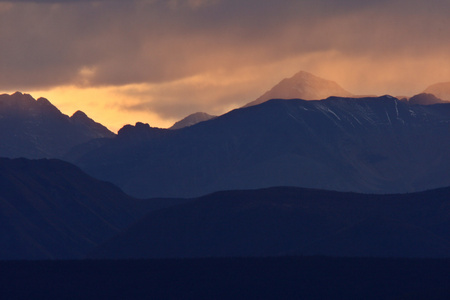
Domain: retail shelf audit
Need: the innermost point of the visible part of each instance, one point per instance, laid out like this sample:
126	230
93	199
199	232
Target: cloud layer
212	54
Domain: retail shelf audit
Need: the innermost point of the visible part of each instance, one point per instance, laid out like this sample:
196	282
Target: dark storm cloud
108	43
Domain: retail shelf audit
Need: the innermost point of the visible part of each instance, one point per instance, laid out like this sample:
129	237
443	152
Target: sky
124	61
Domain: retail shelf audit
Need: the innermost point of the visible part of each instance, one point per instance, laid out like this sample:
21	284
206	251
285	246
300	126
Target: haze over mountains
192	120
376	145
371	145
302	85
440	90
307	86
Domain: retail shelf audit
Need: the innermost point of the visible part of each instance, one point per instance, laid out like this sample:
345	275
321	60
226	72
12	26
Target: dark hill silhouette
37	129
302	85
287	221
370	145
50	209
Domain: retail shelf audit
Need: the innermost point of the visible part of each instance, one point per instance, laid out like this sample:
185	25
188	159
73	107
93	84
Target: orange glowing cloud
157	61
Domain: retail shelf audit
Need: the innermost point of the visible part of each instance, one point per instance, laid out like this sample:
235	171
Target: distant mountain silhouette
50	209
440	90
424	99
302	85
36	129
192	120
287	221
370	145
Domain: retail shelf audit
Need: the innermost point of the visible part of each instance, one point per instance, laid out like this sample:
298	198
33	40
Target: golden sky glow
123	61
104	105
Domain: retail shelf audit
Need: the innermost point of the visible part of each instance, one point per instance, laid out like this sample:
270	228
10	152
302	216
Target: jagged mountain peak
303	75
81	118
79	114
303	85
25	106
37	129
20	95
192	120
44	101
17	99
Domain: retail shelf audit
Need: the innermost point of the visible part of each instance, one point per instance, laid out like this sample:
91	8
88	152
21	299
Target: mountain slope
424	99
192	120
288	221
36	129
50	209
304	86
440	90
376	145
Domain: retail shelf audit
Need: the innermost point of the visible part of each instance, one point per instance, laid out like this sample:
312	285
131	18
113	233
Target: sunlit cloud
160	60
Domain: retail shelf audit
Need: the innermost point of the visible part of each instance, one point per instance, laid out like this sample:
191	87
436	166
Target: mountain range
37	129
322	154
369	145
306	86
50	209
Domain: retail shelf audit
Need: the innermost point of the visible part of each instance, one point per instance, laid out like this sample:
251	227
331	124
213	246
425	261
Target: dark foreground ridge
50	209
285	221
230	278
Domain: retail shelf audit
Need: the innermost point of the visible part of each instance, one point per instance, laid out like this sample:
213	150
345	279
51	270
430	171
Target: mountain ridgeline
331	159
50	209
369	145
37	129
289	222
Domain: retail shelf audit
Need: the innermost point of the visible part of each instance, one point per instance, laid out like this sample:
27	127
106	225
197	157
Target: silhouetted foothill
50	209
140	131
